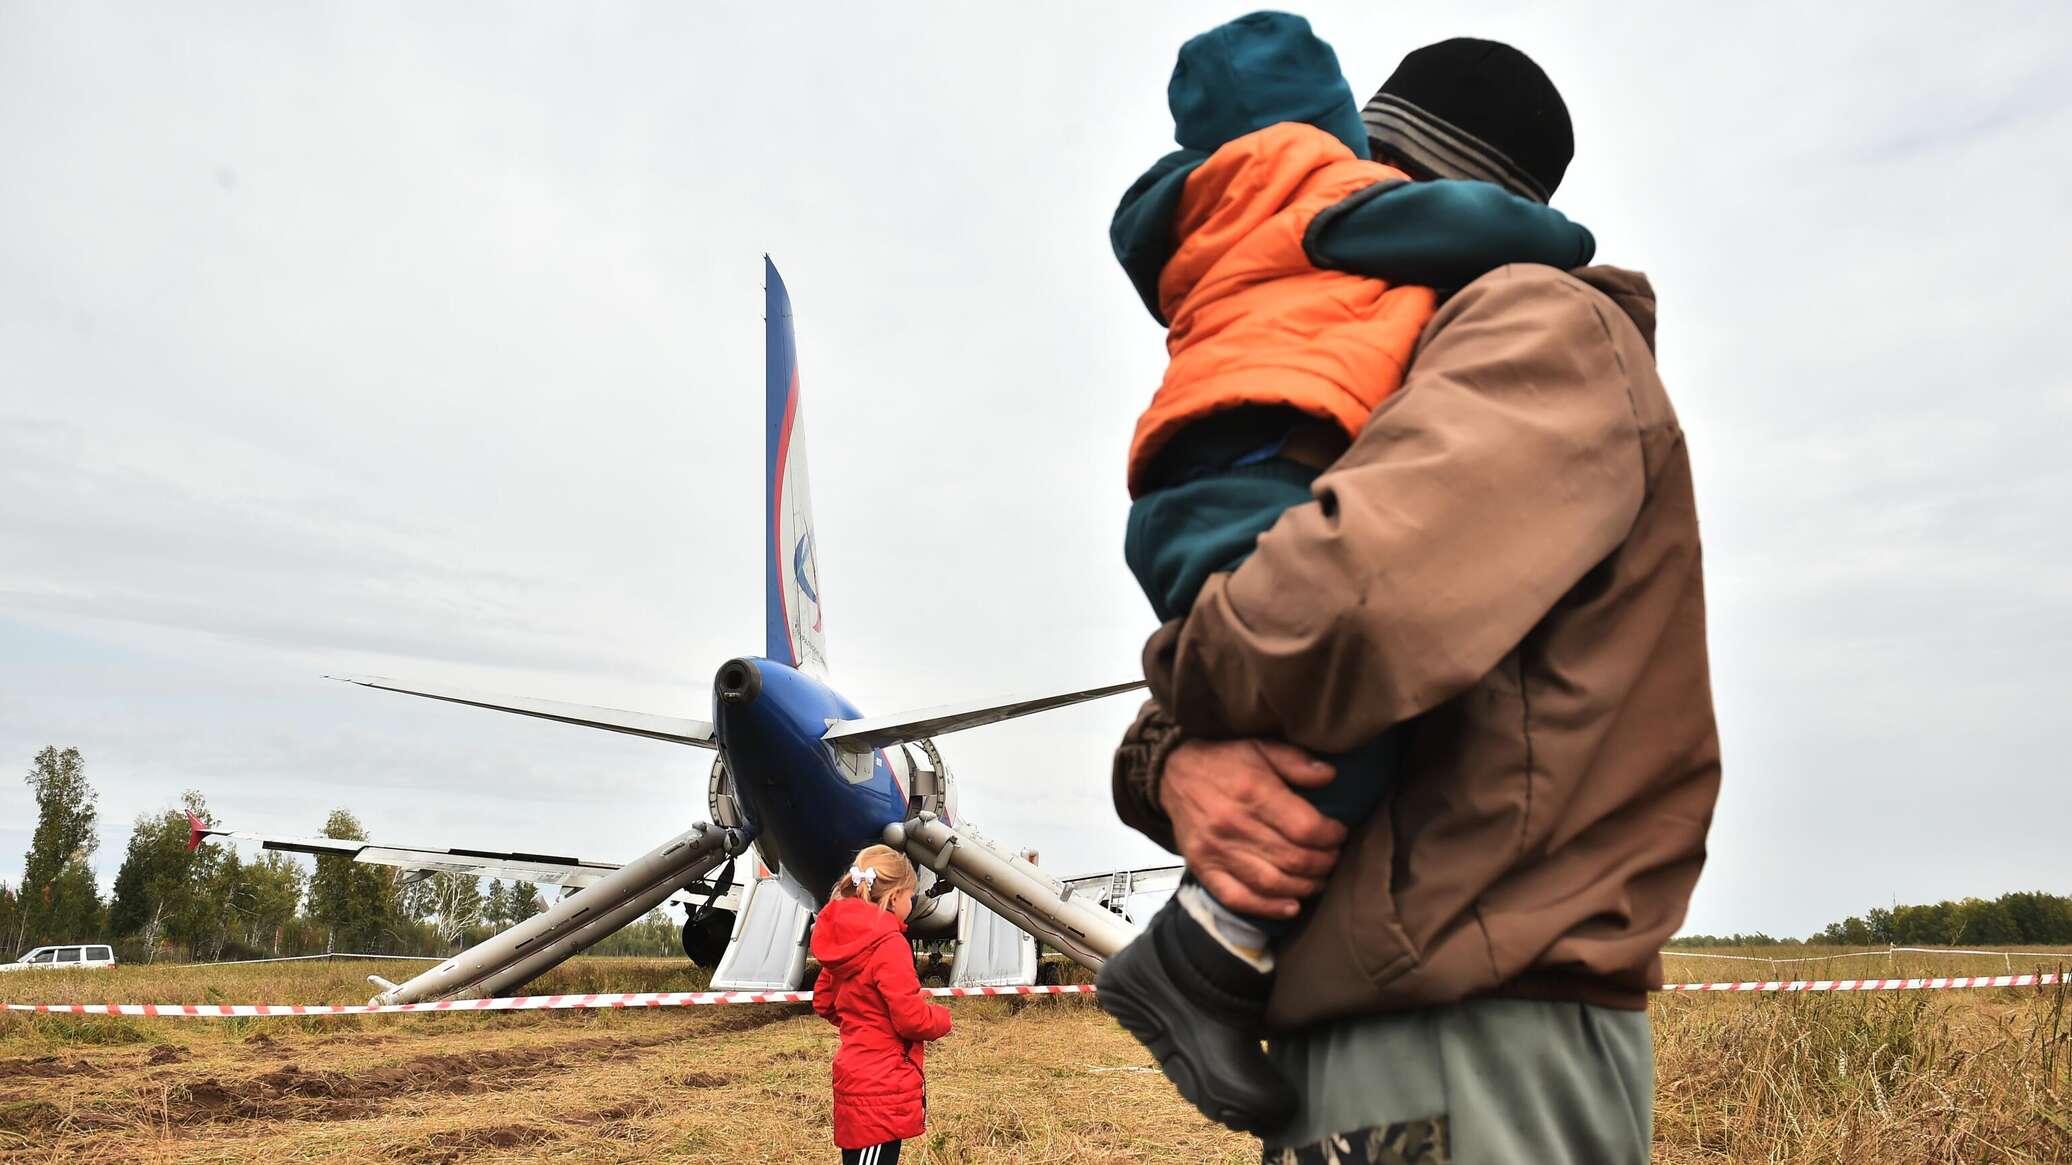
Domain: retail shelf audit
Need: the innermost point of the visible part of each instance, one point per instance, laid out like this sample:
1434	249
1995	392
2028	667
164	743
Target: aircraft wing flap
674	729
871	732
323	846
509	866
521	867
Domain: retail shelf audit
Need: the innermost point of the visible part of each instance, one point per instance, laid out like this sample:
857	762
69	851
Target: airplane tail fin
791	571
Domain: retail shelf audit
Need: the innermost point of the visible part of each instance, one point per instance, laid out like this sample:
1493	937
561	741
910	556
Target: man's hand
1255	844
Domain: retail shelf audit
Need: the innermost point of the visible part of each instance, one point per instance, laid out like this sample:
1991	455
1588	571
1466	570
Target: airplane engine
705	939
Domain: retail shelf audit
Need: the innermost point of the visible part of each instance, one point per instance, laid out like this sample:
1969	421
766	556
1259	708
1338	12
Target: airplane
801	778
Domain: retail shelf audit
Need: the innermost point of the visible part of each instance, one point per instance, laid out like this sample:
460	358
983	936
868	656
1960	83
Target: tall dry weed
1913	1077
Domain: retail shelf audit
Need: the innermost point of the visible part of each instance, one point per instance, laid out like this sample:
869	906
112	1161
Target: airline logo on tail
801	573
804	572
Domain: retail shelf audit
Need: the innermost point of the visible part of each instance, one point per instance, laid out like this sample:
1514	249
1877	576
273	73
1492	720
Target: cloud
405	343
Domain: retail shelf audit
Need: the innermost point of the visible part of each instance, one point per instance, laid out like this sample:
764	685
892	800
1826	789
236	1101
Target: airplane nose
739	682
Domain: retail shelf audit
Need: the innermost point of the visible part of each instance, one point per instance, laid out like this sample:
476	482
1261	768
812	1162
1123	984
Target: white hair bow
862	877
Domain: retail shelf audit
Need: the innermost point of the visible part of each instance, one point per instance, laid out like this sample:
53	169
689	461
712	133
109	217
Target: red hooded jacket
868	989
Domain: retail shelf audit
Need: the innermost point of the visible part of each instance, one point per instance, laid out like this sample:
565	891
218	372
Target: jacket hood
1630	290
1256	71
847	927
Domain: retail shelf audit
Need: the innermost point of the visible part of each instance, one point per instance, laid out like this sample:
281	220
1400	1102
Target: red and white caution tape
711	998
516	1003
1940	984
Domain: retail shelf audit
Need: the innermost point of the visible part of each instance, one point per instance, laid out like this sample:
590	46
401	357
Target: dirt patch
702	1080
748	1019
168	1054
46	1067
29	1118
291	1092
623	1111
463	1144
205	1096
356	1038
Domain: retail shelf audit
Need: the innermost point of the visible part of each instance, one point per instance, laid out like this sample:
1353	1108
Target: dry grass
1956	1076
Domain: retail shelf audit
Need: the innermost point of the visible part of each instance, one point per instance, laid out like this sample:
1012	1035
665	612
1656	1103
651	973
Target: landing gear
705	939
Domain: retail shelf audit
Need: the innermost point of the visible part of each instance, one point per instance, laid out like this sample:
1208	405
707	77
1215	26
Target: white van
63	959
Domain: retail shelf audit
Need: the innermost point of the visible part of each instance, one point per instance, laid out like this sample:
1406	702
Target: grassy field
1952	1076
1914	1076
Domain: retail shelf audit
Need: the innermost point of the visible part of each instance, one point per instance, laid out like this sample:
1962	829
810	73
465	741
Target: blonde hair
879	872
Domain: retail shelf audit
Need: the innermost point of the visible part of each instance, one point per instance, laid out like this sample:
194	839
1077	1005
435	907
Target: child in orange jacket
1295	275
868	989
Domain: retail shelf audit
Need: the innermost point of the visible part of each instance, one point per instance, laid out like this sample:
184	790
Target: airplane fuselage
809	805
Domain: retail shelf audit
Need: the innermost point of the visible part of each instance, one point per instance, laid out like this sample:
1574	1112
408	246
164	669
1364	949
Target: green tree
154	880
1982	923
1924	925
654	934
522	902
7	923
354	901
267	898
1757	939
78	915
2025	916
213	930
1850	932
450	904
494	903
59	900
2039	919
166	894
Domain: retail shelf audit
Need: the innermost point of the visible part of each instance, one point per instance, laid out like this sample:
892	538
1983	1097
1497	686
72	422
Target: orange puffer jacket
1252	321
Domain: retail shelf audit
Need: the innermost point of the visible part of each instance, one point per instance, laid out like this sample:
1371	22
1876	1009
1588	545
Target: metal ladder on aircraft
1119	884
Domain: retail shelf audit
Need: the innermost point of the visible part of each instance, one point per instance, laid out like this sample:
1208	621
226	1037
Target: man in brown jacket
1505	564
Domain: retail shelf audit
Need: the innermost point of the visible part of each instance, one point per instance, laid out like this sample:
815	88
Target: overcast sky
425	341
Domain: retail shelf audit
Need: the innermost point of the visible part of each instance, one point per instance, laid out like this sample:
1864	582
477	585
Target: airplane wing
882	731
674	729
1117	889
539	869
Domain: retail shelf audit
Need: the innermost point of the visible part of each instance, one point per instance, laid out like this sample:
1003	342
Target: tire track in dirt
46	1067
290	1092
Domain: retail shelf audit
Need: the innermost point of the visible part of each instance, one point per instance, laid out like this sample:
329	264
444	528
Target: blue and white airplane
801	776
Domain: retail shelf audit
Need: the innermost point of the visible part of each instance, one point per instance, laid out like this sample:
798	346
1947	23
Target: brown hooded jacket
1506	563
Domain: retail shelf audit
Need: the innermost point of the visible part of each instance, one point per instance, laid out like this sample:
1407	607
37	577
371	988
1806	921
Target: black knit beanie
1467	108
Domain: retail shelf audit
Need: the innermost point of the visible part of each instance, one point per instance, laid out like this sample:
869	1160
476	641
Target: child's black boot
1201	1010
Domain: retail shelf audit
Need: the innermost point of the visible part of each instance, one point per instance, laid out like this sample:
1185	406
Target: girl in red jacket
868	989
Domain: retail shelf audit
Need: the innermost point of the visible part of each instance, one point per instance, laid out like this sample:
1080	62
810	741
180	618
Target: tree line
206	904
2022	918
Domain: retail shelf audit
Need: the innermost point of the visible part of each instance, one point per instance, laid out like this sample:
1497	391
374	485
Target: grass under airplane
801	778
